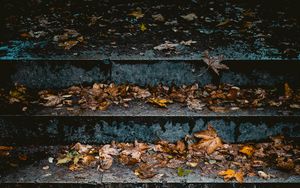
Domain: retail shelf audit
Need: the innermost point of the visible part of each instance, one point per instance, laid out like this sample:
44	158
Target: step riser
59	74
99	130
158	185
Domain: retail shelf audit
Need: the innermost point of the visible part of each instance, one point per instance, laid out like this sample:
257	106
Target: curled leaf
160	102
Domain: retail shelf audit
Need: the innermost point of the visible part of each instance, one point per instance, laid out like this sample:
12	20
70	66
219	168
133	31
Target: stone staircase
261	52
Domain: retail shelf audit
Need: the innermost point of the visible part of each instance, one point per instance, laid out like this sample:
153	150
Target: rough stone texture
22	130
165	72
53	74
33	174
59	74
261	131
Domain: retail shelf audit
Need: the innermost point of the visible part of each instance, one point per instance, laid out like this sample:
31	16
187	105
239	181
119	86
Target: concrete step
144	122
254	30
30	173
61	74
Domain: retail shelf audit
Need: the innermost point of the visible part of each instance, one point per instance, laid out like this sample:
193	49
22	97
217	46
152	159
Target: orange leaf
210	140
248	150
232	174
160	102
288	92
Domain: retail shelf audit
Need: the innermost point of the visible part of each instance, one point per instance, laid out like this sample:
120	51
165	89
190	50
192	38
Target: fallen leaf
248	150
232	174
295	106
285	163
137	14
67	45
195	104
159	102
188	42
158	17
23	157
183	172
209	140
214	62
166	46
190	17
145	171
288	92
224	23
143	27
218	109
52	100
263	175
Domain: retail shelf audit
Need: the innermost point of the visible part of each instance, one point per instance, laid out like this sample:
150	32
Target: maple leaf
210	140
214	62
232	174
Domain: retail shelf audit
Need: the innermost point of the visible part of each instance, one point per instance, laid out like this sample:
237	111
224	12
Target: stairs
260	45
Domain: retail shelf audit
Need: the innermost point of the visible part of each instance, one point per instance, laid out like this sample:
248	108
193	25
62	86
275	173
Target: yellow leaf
137	14
288	92
64	160
248	150
232	174
143	27
160	102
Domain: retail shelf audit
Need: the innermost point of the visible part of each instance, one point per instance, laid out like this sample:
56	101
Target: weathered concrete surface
60	74
144	123
32	174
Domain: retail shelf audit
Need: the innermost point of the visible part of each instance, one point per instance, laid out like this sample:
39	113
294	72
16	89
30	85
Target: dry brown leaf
195	104
158	17
67	45
232	174
166	46
209	140
285	163
214	62
52	100
180	146
190	17
218	109
140	93
145	171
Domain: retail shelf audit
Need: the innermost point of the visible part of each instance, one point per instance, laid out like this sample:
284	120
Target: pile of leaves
204	151
222	98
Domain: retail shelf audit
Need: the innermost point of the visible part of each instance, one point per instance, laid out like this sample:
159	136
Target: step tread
268	37
117	174
143	109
